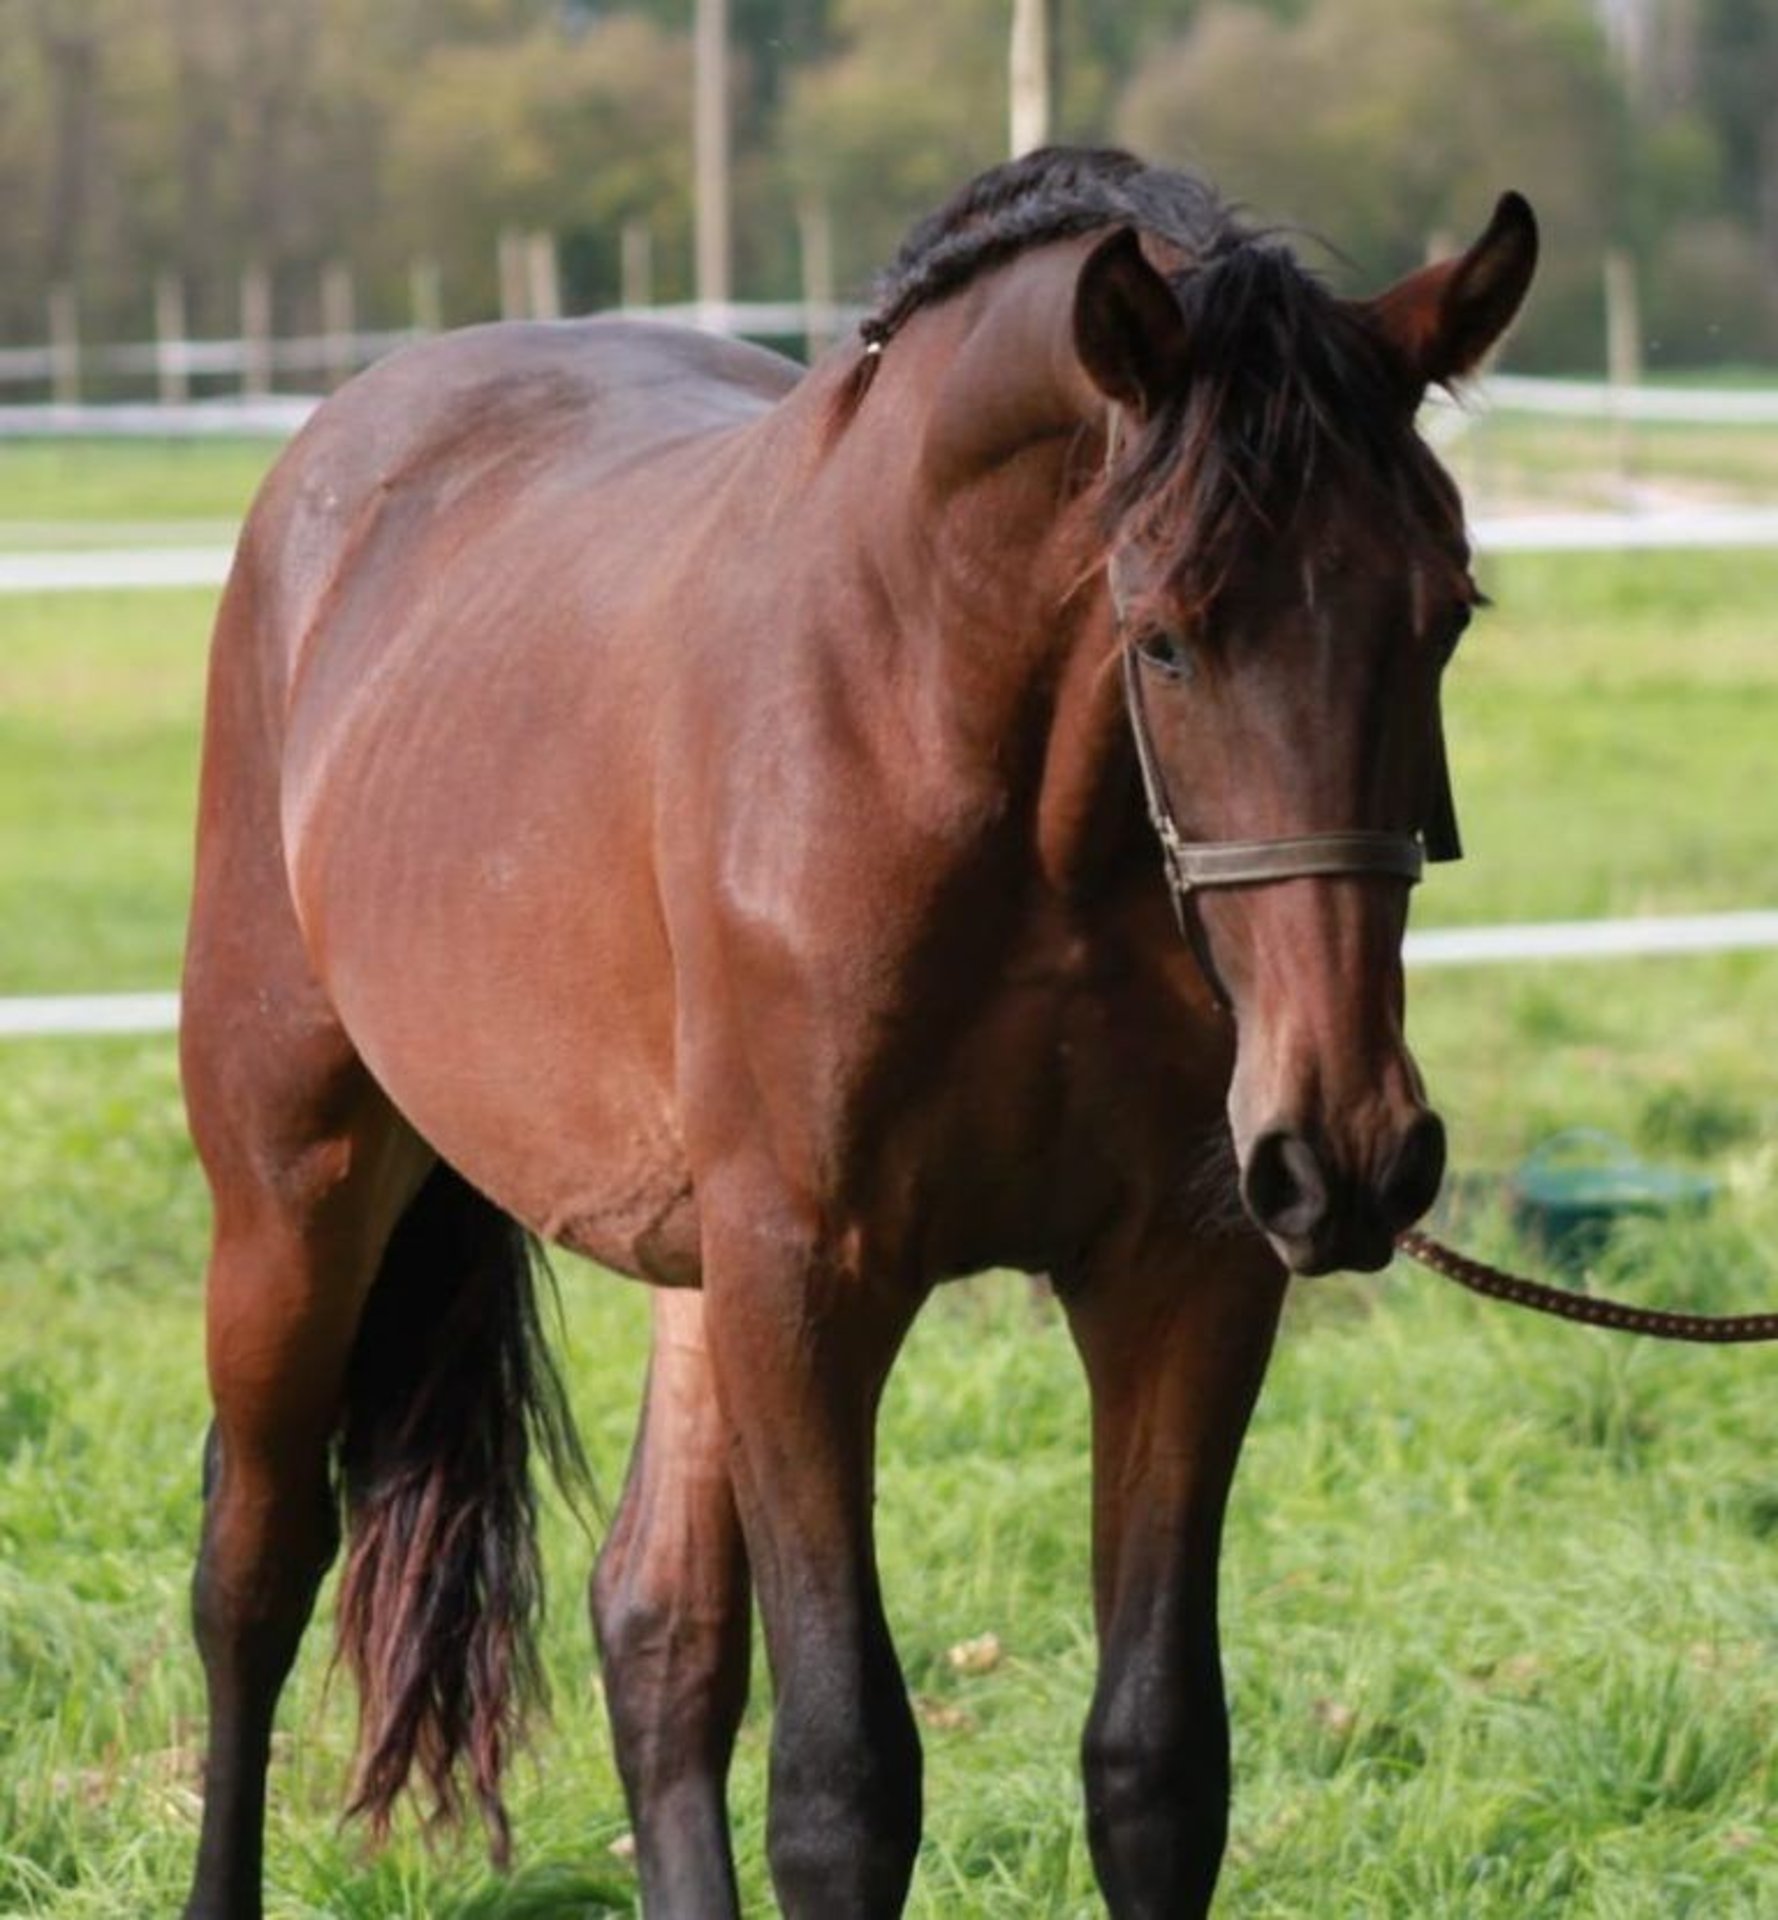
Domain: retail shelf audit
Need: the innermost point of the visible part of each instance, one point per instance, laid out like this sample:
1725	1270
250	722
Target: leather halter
1192	866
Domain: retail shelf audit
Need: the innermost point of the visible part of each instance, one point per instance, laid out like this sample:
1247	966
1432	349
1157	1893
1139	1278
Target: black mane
1290	390
1051	194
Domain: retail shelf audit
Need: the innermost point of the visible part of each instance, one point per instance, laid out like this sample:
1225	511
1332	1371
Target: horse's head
1291	578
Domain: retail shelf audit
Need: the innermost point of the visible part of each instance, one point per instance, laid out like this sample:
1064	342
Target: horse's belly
488	933
560	1113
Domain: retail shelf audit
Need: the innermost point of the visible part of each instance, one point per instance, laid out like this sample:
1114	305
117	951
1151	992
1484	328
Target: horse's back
434	688
474	424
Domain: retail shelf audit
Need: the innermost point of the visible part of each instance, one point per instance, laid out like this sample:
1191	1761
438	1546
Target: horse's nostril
1284	1186
1414	1175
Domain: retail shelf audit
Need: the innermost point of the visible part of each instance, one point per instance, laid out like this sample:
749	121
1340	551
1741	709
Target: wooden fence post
64	345
543	277
710	150
256	330
814	223
1031	73
425	296
172	381
636	265
1623	355
512	274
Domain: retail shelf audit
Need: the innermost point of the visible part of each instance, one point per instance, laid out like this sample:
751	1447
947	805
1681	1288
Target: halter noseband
1190	866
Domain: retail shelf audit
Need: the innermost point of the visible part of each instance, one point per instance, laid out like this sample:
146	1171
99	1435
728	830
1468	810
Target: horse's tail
451	1387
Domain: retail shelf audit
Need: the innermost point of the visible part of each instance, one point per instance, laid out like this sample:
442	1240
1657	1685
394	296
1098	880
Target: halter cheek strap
1190	867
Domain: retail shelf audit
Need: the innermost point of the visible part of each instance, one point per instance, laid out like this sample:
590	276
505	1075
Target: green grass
130	480
1611	724
1500	1622
101	698
1499	1594
1517	461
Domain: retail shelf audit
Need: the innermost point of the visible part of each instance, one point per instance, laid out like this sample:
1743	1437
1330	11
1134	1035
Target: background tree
1738	90
913	101
140	137
1386	124
573	131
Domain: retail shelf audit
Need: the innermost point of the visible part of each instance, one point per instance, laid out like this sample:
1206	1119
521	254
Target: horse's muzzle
1321	1219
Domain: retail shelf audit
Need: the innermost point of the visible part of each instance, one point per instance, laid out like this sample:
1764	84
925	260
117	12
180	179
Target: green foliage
1387	122
912	104
1737	79
200	135
579	135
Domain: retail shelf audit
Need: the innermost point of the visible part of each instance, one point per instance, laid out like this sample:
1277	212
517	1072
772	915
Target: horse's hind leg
307	1185
671	1610
308	1169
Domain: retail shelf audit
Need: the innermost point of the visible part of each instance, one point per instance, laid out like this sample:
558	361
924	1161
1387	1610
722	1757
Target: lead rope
1715	1329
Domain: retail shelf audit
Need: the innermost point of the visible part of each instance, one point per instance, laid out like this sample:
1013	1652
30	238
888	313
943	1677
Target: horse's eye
1162	647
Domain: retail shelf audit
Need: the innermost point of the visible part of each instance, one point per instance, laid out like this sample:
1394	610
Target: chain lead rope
1714	1329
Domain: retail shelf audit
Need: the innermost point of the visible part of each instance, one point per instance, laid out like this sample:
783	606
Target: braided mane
1289	389
1051	194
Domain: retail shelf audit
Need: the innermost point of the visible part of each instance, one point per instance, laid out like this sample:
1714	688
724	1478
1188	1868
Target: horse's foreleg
671	1609
1175	1344
802	1350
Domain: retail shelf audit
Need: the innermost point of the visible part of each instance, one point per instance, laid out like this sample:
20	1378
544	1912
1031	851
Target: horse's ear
1445	317
1128	330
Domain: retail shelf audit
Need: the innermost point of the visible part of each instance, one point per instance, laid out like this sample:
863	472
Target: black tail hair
450	1390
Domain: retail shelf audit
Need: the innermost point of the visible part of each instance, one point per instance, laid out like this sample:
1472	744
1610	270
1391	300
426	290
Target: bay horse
687	809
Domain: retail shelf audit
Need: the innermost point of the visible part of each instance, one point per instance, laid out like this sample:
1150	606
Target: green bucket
1571	1191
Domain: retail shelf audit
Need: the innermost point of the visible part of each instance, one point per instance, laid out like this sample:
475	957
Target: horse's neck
974	439
989	428
1011	380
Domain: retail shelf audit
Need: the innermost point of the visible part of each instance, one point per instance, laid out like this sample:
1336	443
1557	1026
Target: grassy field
65	483
1501	1597
1511	462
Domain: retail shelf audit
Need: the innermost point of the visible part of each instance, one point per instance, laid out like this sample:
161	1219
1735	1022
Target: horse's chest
1060	1097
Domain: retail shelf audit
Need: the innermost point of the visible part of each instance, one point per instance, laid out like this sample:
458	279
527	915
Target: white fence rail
1626	532
274	417
237	359
114	571
87	1015
71	1016
110	570
1602	400
254	360
254	363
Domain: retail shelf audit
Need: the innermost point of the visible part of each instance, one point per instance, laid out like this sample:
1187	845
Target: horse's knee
1134	1785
